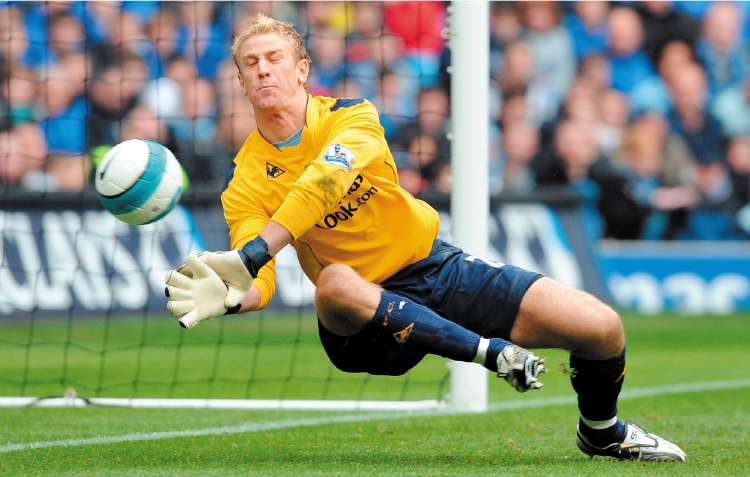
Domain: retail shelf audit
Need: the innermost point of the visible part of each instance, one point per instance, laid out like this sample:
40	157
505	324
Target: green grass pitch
148	356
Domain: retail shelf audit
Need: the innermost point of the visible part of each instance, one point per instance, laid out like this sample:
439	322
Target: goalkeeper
317	174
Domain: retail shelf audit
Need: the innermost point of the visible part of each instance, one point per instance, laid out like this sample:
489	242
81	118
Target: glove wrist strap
254	255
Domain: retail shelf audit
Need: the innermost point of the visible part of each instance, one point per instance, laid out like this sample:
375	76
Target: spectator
689	116
65	113
347	87
512	171
205	35
66	36
20	95
518	69
515	108
165	44
732	109
432	120
588	27
726	58
144	123
326	15
552	52
99	18
595	70
195	128
181	71
505	28
328	53
575	152
443	182
424	156
14	38
125	36
519	77
423	39
614	113
112	95
631	70
663	24
678	163
646	153
738	159
183	91
675	54
394	107
576	161
713	217
22	153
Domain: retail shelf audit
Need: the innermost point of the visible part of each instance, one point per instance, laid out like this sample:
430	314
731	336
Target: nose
263	69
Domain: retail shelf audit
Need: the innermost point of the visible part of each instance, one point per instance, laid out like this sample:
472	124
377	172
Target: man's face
269	72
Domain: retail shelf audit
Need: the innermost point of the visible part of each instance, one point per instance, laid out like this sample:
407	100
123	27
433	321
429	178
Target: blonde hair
261	24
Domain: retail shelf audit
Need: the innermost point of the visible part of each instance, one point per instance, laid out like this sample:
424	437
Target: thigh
369	351
556	316
481	296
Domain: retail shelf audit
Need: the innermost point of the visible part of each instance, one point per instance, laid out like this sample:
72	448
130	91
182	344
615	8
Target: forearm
255	255
276	236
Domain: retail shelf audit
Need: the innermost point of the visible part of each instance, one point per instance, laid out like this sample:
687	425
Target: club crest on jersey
340	156
273	171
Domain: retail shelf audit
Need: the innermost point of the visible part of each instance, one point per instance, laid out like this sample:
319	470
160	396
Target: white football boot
637	445
520	367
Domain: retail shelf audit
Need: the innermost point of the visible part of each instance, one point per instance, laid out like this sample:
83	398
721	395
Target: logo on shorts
403	335
340	156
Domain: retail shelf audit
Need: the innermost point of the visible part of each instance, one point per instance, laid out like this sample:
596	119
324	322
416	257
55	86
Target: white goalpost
468	25
469	33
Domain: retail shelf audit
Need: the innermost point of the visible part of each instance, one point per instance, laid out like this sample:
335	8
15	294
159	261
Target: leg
348	305
552	315
345	302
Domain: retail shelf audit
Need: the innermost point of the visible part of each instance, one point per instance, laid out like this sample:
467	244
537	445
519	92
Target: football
139	181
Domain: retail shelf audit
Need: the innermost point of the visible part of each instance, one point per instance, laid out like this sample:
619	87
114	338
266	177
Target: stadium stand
641	108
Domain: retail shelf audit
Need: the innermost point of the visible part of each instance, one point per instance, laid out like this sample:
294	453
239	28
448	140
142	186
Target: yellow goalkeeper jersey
336	191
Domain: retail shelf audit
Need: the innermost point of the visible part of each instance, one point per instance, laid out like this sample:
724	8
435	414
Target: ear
242	83
303	70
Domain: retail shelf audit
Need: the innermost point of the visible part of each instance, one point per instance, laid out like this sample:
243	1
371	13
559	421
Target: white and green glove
211	284
195	292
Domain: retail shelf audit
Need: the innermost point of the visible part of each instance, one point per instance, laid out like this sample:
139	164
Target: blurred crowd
643	108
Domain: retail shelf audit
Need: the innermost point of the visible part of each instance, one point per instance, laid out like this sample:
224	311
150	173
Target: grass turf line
711	426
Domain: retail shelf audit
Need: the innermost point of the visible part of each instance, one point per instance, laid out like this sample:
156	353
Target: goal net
82	311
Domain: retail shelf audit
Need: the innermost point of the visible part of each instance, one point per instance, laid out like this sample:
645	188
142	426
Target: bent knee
344	300
332	282
606	337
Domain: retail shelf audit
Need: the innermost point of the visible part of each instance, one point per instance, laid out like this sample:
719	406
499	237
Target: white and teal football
139	181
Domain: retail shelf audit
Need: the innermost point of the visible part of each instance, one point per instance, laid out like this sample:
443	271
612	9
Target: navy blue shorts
482	297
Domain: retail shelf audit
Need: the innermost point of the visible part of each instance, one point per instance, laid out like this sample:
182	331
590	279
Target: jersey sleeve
245	223
354	139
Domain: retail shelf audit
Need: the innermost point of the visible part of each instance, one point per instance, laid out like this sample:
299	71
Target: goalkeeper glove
236	268
195	293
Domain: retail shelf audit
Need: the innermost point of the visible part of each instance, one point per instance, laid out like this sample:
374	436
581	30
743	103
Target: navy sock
598	384
412	324
496	345
603	437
